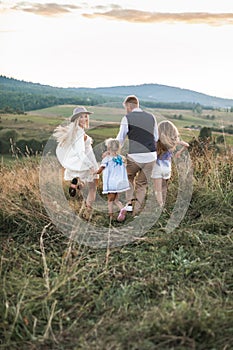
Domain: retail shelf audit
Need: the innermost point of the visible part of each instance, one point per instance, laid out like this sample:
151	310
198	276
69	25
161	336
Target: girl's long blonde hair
168	137
67	134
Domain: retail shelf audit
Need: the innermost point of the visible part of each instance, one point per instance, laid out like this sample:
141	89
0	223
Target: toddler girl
115	178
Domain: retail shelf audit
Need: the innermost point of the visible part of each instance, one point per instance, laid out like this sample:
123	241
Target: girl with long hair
166	144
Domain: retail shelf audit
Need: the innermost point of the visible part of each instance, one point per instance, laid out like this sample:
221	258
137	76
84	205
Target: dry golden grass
164	291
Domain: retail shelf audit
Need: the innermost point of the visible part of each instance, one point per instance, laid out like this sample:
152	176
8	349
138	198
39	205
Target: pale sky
67	43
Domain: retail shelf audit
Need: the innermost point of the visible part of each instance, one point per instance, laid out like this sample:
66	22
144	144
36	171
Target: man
141	129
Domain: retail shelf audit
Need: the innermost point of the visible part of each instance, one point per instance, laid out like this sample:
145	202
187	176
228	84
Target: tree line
18	96
15	102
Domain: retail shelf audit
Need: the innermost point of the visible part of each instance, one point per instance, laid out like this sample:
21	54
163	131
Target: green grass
55	111
113	114
220	117
102	113
100	134
163	291
42	122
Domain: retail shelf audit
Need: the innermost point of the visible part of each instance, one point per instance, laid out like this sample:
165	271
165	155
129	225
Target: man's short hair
131	99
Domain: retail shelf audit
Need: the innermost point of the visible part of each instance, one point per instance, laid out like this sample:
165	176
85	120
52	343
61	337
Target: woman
75	153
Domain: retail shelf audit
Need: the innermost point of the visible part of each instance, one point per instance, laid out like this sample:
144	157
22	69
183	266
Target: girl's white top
115	177
78	158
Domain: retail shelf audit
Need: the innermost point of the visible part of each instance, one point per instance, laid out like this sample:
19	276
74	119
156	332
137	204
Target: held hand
178	154
184	144
105	154
93	171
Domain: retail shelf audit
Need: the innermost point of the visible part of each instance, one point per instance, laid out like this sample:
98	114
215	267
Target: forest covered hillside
20	96
17	96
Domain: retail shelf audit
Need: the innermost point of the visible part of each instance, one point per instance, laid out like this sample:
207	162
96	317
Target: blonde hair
168	136
67	134
77	117
113	145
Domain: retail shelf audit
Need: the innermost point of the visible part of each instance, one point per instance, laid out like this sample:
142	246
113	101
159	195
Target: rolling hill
20	96
17	95
162	93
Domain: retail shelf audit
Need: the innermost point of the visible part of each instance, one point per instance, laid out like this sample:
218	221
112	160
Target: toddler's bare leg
111	198
117	202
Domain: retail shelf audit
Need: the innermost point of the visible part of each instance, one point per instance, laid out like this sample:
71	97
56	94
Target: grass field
162	291
40	124
111	114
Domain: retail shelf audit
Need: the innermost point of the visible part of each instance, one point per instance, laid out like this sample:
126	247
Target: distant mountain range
16	95
162	93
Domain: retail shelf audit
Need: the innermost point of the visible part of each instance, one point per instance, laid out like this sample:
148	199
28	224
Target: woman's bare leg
91	193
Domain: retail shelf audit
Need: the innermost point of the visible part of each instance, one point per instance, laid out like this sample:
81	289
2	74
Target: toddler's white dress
115	177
